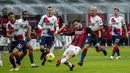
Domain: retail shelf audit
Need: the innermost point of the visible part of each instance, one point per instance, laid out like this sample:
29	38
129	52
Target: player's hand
28	38
55	34
127	35
61	34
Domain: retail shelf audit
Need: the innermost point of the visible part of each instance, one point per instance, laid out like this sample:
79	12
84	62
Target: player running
80	34
96	25
27	39
15	33
48	23
116	22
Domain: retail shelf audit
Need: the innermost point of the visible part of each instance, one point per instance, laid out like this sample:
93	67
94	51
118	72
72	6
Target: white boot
118	57
111	57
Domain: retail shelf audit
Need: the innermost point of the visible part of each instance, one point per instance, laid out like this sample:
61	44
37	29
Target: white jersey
17	28
117	23
48	23
24	22
94	23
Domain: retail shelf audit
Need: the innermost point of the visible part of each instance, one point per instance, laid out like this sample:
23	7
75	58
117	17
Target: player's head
25	15
116	11
56	11
93	10
77	24
5	12
11	17
49	11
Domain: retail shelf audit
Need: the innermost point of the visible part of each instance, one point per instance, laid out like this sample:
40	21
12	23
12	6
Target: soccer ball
50	57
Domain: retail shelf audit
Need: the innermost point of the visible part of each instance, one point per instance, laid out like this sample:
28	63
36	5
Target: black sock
11	58
113	52
31	57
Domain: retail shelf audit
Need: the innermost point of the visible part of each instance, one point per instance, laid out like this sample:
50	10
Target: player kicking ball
77	43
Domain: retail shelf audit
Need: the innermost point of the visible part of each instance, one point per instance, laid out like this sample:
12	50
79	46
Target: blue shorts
20	45
47	41
91	40
116	38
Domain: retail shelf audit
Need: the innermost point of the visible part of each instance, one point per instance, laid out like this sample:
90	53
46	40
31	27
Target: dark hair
24	12
49	7
4	9
77	20
10	13
116	9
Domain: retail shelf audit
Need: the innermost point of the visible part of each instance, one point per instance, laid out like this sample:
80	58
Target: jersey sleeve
40	22
123	21
100	21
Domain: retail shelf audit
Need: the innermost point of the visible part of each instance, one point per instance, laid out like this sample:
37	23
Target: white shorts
75	49
3	41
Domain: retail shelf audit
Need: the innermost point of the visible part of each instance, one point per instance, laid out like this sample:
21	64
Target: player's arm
9	32
100	27
40	24
89	30
29	32
69	33
123	22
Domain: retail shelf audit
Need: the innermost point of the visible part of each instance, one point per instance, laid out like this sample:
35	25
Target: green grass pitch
94	63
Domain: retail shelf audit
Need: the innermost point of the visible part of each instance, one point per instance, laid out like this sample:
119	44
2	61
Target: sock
113	52
0	55
118	52
17	58
68	64
52	49
21	56
41	57
31	57
11	58
63	60
83	54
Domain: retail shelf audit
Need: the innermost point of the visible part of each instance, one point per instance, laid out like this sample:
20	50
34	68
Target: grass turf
94	63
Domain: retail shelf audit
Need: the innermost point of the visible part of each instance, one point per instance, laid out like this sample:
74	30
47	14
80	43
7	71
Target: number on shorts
19	46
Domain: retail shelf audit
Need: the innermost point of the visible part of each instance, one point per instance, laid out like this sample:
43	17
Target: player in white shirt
48	23
96	25
116	22
15	33
27	37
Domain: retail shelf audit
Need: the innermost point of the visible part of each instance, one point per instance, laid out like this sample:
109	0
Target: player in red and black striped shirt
3	41
80	33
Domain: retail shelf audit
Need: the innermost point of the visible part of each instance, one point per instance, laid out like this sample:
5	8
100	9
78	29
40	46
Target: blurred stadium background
69	9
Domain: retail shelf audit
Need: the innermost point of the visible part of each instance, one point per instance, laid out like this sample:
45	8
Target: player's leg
49	43
29	47
116	40
14	55
88	42
98	47
84	52
1	52
70	65
42	46
71	51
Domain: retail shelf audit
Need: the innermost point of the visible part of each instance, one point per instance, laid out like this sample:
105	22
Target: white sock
0	55
68	64
63	60
52	49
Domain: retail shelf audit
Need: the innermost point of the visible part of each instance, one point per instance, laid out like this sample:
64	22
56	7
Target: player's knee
85	50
